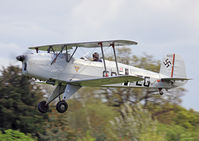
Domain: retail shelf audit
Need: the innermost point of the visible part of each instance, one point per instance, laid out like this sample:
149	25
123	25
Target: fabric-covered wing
58	47
106	80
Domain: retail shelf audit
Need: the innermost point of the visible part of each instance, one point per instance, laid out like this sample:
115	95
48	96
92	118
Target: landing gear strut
62	106
43	107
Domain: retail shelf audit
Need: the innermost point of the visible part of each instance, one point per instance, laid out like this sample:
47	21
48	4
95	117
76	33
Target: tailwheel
62	106
160	91
43	107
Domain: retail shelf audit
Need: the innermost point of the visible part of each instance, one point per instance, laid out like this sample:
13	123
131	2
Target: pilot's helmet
95	56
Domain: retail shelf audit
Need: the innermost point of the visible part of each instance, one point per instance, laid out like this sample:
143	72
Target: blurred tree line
95	114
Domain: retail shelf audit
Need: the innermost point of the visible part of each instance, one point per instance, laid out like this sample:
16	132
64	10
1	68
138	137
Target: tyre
62	106
43	107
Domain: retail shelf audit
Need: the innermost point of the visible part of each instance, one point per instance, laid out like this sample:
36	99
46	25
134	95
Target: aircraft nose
20	58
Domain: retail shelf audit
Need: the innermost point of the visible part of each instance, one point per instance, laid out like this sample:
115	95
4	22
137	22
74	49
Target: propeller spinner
21	58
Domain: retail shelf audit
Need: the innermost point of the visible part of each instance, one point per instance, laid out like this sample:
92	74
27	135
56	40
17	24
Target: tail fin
173	66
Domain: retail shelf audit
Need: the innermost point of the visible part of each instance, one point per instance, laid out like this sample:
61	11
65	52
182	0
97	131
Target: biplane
56	66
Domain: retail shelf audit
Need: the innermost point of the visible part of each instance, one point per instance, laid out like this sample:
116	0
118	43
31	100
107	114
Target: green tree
88	137
57	127
176	132
18	99
90	113
135	123
186	118
10	135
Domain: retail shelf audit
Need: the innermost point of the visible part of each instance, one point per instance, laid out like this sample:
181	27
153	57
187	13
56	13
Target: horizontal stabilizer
106	80
174	79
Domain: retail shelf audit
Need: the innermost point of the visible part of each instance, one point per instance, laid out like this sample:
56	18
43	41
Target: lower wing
98	82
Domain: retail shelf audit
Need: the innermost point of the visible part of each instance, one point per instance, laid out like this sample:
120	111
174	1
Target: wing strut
72	54
113	46
67	59
50	48
100	43
66	53
54	60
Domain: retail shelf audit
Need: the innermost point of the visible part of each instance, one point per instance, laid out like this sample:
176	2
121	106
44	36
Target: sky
159	26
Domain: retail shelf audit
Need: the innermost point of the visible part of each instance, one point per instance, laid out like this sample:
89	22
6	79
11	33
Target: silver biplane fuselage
72	74
38	65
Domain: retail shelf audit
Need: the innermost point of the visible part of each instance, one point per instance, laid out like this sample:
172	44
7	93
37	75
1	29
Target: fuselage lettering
146	82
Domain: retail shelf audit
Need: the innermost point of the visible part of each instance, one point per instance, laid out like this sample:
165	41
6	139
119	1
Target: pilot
96	57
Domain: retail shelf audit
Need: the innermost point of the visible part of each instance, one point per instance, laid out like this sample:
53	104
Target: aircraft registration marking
146	82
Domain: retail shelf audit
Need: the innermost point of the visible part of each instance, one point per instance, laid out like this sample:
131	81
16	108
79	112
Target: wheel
43	107
62	106
161	93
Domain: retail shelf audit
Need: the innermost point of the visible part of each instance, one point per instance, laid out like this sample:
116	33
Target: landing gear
43	107
62	106
160	91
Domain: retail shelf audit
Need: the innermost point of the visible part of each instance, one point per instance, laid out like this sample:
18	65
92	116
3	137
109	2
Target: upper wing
58	47
106	80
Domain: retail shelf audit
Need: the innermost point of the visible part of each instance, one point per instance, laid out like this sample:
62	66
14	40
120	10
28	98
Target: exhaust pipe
20	58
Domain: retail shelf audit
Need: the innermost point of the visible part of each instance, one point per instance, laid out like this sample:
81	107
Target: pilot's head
95	56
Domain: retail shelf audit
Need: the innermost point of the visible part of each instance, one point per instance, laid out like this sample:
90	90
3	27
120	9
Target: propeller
15	57
21	58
